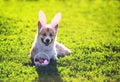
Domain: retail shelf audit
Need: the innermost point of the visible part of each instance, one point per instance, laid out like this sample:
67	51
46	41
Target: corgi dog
45	46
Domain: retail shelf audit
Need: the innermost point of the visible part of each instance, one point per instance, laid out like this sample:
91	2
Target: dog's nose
47	40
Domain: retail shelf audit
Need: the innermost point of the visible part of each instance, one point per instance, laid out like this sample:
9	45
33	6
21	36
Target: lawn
89	28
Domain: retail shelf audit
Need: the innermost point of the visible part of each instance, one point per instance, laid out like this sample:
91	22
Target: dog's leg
33	52
62	50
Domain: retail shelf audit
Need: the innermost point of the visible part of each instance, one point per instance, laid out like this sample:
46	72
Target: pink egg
46	62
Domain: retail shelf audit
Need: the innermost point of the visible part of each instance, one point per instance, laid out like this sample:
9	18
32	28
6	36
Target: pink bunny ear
56	20
42	18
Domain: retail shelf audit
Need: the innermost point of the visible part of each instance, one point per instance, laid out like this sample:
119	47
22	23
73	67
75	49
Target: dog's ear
56	20
42	20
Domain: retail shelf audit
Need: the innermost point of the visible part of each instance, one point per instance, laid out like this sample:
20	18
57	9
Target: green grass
90	28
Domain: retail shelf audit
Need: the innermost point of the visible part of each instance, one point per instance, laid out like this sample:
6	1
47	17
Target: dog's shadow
48	73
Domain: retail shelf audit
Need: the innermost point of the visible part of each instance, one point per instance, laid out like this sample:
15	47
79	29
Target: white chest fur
49	51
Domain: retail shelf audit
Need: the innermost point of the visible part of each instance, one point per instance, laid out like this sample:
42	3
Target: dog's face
47	36
47	33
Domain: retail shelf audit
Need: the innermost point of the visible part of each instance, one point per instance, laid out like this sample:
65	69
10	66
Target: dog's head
47	32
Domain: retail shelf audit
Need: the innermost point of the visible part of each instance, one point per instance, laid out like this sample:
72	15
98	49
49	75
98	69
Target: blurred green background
90	28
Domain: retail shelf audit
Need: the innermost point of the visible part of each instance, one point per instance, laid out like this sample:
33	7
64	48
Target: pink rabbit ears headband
54	23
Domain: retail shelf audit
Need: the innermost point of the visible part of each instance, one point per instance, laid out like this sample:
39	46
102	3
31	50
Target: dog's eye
50	35
44	34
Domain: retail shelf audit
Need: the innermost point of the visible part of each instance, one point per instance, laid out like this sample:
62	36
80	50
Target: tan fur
47	31
33	52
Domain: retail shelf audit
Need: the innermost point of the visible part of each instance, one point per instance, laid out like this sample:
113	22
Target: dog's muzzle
47	41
